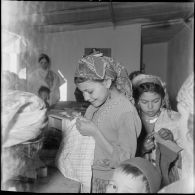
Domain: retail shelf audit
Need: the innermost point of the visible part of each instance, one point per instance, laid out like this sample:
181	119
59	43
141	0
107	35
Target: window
63	88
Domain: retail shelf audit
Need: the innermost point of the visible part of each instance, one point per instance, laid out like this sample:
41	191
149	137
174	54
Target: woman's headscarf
99	67
144	78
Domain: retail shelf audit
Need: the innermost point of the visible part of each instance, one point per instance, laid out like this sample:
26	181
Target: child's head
149	94
136	175
44	93
96	75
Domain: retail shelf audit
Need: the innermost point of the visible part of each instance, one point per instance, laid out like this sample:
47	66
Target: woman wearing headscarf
111	119
160	125
44	76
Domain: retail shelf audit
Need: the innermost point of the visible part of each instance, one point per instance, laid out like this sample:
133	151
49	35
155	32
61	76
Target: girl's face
150	103
94	92
123	183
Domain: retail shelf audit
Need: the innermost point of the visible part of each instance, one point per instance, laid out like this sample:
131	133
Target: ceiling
160	20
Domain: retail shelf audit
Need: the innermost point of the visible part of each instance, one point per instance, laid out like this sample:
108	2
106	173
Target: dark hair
78	80
44	56
134	74
136	172
44	89
147	87
81	80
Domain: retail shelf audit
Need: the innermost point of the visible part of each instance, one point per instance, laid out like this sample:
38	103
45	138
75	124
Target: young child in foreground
136	175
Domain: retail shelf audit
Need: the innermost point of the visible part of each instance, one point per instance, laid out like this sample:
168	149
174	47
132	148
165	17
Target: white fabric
23	117
76	155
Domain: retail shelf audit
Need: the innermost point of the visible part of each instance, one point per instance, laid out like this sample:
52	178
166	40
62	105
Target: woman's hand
166	134
148	144
86	127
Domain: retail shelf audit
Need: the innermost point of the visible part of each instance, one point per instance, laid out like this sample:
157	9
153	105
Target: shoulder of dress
89	111
173	115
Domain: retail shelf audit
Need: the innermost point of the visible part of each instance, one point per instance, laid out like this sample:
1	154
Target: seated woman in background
111	119
185	106
158	120
44	76
136	175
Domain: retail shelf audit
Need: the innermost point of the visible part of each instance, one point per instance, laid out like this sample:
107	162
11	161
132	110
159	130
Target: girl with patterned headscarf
159	122
111	119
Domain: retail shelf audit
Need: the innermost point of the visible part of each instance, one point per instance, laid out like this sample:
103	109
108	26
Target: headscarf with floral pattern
99	67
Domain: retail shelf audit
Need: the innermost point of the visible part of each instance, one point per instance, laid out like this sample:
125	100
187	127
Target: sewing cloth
75	156
23	117
99	67
165	157
168	119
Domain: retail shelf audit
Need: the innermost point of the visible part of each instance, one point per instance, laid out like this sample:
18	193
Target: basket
32	147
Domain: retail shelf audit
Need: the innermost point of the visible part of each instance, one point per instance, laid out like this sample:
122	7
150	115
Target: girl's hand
166	134
86	127
148	144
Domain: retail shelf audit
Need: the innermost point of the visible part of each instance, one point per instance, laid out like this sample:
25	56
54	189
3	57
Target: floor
55	182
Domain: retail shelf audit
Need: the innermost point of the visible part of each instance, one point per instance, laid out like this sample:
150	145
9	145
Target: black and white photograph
97	97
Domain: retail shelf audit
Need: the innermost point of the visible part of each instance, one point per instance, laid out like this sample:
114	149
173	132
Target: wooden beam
112	13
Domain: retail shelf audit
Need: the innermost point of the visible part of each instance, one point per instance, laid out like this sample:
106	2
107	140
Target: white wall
155	59
66	48
180	60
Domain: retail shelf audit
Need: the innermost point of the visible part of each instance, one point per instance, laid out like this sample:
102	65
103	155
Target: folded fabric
168	143
75	156
28	119
165	158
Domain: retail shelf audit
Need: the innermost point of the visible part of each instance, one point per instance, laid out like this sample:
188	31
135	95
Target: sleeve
129	128
55	90
89	112
56	83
